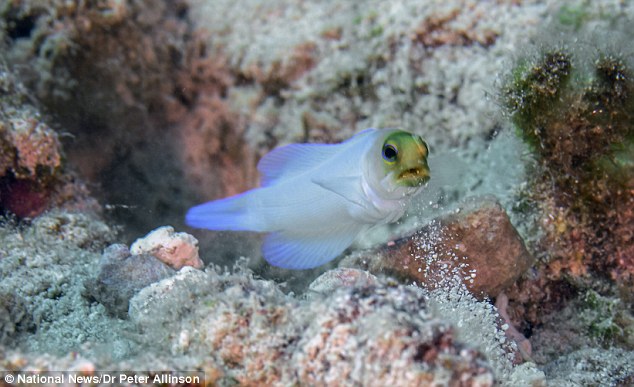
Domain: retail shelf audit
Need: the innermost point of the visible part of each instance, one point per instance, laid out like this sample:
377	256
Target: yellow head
405	158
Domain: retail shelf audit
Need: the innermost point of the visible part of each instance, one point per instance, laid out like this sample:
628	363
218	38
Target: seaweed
575	112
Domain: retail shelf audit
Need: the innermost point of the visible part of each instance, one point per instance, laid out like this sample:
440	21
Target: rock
84	230
365	335
174	249
341	278
122	275
33	179
187	283
14	316
477	243
30	152
384	336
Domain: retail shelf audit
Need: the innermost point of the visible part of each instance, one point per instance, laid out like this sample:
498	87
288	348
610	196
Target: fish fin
364	132
231	213
293	159
305	251
348	187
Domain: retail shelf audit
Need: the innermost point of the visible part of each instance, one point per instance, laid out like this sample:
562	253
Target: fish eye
390	152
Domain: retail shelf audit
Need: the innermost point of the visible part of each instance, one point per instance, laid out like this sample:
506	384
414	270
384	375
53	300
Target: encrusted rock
174	249
36	146
30	152
14	316
477	242
122	275
366	335
80	229
340	278
382	336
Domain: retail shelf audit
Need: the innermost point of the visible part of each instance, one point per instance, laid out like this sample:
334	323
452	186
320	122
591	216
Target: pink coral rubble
176	249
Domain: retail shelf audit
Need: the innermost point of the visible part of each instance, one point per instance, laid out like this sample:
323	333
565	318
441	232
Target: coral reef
379	336
162	104
143	100
259	335
409	64
575	110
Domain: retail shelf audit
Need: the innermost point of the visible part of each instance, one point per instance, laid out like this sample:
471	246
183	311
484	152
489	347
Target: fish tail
231	214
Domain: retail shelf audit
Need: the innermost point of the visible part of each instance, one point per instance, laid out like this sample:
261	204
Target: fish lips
413	177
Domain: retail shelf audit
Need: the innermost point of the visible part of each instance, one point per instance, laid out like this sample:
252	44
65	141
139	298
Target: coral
174	249
238	328
36	146
33	176
478	242
572	104
231	321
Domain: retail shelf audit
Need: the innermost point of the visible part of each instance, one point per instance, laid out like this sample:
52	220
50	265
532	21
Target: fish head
404	159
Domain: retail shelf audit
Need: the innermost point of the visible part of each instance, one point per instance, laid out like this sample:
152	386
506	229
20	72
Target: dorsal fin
293	159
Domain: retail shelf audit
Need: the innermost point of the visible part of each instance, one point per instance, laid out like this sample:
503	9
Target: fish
315	199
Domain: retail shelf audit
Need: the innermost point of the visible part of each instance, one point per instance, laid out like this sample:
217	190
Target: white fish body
314	200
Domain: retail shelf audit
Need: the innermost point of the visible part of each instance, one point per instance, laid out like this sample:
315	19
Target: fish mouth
414	177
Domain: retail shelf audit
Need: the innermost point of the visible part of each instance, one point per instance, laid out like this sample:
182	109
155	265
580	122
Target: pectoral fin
348	187
312	248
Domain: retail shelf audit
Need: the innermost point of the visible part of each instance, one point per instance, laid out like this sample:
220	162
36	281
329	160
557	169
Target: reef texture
477	242
32	177
370	335
574	107
577	117
122	275
133	84
42	268
124	272
176	249
234	327
165	103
